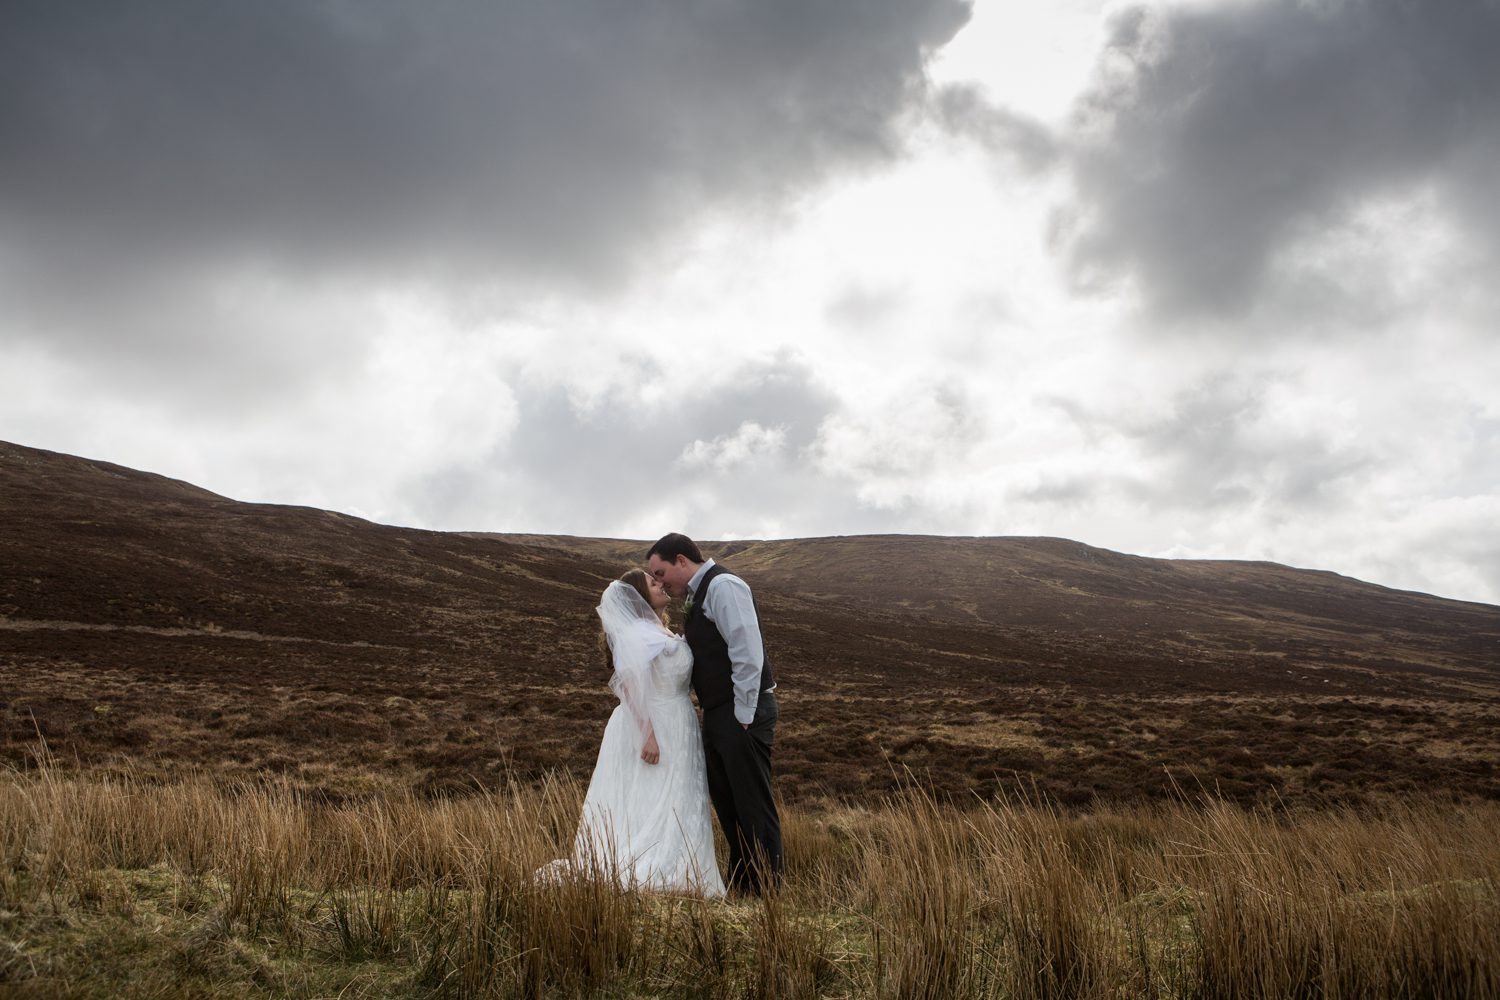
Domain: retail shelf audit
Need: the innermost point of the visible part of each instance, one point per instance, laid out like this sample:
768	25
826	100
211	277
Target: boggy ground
149	626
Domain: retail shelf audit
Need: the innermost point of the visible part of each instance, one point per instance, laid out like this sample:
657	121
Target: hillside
149	624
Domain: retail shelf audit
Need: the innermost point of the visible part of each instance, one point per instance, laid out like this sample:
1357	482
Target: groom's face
673	575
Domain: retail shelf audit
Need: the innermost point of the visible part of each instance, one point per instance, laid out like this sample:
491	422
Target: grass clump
111	887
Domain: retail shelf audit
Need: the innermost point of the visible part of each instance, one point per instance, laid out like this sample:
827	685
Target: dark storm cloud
452	137
1218	137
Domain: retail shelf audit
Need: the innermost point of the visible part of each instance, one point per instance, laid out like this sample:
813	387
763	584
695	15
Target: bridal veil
636	636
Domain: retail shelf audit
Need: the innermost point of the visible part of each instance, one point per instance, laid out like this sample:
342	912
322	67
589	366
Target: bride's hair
638	579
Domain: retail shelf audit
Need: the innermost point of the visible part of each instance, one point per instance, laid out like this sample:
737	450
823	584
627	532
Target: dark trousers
739	785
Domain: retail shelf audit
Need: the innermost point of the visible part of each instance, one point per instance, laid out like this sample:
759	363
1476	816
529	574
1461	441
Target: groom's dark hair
669	547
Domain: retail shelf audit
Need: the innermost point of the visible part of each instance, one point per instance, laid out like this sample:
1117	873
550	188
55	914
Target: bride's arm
630	689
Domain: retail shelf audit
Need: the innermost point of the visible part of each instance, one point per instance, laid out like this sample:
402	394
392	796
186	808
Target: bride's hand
651	753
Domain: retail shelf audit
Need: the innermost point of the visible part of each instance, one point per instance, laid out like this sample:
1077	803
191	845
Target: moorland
149	625
265	751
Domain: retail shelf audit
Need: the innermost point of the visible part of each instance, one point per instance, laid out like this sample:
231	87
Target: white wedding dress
647	825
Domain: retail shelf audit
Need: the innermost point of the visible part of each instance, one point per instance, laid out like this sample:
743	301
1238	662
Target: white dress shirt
729	606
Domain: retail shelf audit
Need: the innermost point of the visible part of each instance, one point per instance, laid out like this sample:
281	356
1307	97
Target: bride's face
659	596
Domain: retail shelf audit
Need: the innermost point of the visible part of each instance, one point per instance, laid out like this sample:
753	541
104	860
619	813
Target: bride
645	817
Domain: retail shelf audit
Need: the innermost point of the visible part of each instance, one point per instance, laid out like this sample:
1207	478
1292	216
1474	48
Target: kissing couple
645	819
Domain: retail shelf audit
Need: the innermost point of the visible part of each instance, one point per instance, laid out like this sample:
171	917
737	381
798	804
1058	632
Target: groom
734	684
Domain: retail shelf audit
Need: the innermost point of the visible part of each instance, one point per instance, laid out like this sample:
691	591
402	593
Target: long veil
636	636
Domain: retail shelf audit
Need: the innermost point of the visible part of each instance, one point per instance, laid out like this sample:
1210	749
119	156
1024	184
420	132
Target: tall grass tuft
1344	905
1051	895
111	886
928	932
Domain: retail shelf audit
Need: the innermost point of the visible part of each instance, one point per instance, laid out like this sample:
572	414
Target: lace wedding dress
647	825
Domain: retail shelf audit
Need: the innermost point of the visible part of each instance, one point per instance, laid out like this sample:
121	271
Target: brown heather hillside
150	625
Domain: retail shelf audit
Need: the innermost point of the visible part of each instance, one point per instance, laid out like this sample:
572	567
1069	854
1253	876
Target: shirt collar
697	579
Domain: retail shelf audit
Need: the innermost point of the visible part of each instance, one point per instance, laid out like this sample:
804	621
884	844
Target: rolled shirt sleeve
729	606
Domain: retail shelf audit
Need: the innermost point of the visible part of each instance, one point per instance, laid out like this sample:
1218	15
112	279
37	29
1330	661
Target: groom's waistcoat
713	676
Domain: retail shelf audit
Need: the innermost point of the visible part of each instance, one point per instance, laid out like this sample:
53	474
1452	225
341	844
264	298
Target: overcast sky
1194	279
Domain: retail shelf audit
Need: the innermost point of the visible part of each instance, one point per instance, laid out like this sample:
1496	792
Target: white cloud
748	445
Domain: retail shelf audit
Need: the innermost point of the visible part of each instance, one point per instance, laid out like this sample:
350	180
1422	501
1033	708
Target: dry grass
113	887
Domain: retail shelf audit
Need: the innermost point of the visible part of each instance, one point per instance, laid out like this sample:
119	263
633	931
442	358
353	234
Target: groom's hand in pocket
651	753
